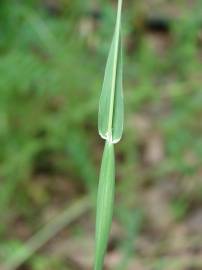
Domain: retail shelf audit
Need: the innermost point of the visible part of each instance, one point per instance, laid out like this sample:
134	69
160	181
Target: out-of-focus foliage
52	56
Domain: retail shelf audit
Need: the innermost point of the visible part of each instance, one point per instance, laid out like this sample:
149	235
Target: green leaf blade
118	118
104	103
105	200
111	107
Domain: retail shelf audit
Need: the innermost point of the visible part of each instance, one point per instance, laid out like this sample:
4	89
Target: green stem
105	201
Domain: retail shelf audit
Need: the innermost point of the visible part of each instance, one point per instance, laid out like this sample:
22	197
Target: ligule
105	200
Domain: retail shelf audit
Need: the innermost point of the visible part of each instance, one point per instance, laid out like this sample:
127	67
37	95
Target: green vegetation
110	124
52	62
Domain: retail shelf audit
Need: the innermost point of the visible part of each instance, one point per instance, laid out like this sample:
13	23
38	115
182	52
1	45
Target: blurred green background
52	60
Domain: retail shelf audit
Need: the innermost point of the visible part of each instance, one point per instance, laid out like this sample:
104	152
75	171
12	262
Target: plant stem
105	201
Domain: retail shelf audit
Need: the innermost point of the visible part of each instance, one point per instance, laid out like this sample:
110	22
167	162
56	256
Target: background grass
53	55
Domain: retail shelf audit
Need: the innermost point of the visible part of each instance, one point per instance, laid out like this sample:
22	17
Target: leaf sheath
105	200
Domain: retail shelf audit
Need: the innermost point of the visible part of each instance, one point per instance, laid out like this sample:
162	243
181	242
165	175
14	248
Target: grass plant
110	125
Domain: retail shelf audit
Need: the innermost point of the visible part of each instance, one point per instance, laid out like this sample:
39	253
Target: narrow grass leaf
110	126
111	107
105	200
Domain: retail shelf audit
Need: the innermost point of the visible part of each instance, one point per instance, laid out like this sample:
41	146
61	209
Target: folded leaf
111	107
